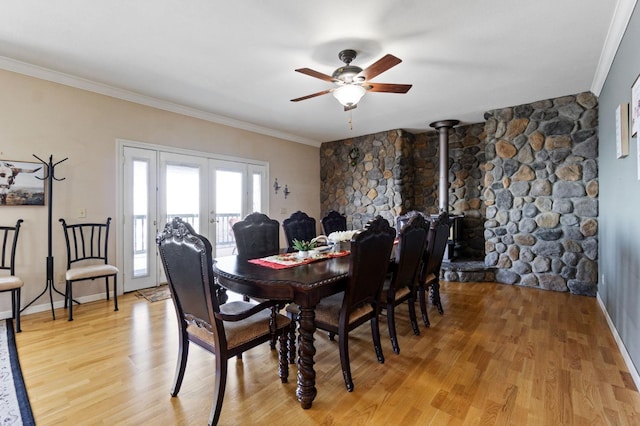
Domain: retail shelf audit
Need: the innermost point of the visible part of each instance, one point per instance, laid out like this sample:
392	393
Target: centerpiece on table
341	240
303	247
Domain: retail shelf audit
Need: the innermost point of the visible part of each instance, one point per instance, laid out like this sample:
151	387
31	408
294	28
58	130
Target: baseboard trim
620	343
46	305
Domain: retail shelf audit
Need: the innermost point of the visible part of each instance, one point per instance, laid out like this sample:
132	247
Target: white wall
43	118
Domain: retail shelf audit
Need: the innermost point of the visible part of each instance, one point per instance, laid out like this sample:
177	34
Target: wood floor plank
501	355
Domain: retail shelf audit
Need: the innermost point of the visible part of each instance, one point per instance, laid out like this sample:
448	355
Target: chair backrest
299	226
86	241
402	220
8	244
257	236
188	266
412	239
436	244
369	262
334	222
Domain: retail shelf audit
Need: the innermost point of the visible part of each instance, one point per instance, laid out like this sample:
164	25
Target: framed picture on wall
638	151
635	107
622	130
21	183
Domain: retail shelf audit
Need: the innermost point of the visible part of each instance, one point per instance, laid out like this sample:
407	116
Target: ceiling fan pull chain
351	119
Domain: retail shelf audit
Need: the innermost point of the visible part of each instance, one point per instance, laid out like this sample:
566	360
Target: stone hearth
467	270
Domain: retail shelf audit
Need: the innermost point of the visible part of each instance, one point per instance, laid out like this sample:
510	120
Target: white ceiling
233	61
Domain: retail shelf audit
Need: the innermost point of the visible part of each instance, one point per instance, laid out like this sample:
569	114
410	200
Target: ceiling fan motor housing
347	73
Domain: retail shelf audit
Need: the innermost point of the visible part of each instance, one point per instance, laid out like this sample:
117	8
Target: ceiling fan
352	82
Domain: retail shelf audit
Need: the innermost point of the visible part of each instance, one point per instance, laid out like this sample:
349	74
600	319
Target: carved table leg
306	391
435	296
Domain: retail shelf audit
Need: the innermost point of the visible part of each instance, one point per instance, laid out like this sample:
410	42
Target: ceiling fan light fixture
349	94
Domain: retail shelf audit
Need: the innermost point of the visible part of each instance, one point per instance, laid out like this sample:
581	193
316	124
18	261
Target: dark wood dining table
304	284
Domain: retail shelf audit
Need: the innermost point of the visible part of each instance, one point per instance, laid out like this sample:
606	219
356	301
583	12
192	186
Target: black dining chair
429	275
402	220
257	235
299	226
333	222
87	258
401	285
11	282
225	330
359	303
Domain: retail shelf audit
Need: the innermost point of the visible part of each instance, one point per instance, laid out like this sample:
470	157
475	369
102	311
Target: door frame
120	160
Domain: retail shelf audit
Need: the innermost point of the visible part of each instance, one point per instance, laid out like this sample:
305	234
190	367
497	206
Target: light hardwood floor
501	354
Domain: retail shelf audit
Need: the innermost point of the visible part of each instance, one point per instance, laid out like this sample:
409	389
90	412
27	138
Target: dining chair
257	235
333	222
401	284
299	226
429	275
87	258
402	220
359	303
225	330
12	283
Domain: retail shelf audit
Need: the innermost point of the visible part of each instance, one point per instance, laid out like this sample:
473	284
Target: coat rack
49	176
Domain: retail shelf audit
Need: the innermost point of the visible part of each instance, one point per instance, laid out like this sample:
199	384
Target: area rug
155	294
15	408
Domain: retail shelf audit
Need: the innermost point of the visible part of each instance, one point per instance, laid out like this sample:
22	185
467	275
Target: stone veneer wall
541	192
398	171
466	162
380	183
526	181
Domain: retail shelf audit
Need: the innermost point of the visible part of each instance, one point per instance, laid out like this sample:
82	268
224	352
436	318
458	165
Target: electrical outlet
82	213
603	283
283	210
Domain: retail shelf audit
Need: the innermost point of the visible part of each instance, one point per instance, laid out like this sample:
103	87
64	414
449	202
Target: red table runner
289	260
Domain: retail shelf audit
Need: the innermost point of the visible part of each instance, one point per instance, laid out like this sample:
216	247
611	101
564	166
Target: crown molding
619	21
114	92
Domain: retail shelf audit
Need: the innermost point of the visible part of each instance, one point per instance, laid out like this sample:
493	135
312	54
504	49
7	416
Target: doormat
155	294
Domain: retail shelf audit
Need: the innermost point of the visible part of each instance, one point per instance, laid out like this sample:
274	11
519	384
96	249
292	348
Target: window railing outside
224	231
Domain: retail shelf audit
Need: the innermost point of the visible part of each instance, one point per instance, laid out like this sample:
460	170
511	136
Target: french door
209	193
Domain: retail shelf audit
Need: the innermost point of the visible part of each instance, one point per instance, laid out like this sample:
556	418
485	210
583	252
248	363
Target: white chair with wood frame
12	283
87	258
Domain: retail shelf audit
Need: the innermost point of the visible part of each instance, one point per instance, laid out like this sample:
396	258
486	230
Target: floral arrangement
338	236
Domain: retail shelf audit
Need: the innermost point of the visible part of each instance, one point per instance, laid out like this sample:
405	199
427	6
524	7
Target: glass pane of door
140	218
229	200
239	189
183	190
256	198
139	192
183	194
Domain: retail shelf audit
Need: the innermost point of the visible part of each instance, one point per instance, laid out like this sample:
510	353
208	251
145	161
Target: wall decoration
635	107
622	130
353	156
638	151
21	183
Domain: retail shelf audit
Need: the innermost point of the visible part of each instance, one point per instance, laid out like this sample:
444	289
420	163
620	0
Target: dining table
305	284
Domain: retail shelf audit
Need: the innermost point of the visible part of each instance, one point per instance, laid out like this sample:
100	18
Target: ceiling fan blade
313	95
388	88
316	74
383	64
